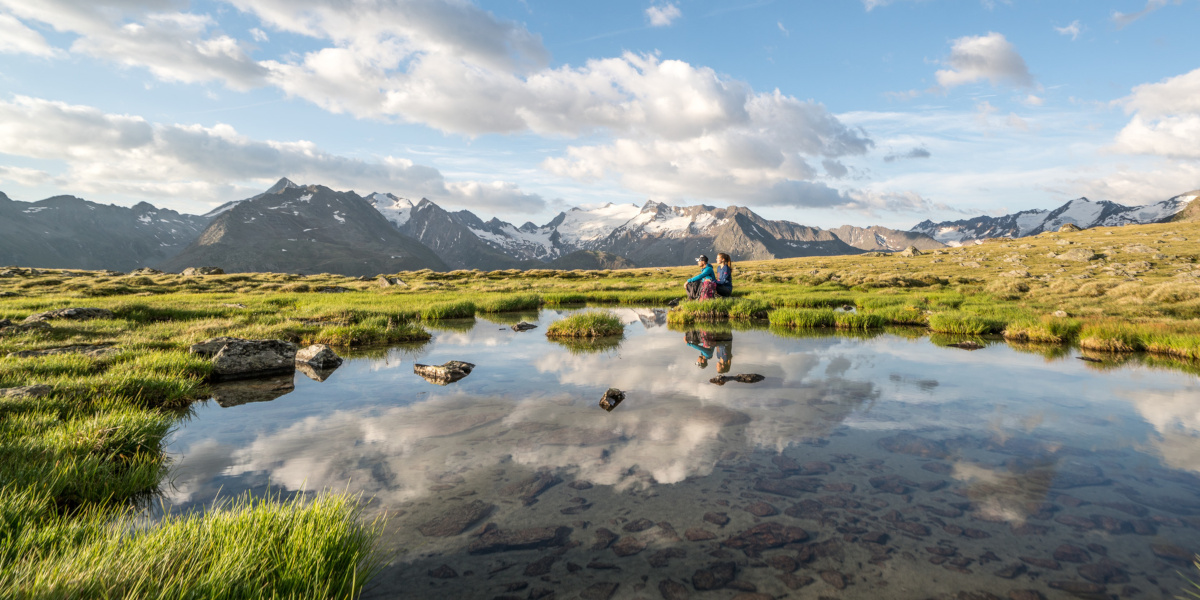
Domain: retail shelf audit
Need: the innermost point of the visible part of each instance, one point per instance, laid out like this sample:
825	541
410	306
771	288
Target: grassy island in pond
590	324
87	448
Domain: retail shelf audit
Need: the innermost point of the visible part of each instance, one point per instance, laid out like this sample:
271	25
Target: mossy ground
75	460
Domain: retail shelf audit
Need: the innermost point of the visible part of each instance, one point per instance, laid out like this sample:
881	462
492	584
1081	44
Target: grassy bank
73	461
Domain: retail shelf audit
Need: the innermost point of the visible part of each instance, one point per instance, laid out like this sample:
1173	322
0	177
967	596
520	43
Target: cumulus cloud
126	154
1073	30
663	15
17	38
914	153
991	57
1125	19
1166	118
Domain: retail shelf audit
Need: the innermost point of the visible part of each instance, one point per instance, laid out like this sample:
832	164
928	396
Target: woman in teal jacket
706	272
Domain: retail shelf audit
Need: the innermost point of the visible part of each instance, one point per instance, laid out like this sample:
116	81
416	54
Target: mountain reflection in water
995	454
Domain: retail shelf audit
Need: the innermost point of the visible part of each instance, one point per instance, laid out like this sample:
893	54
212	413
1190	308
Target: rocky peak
281	185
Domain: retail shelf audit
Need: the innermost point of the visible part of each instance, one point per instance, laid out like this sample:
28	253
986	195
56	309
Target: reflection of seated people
702	342
724	355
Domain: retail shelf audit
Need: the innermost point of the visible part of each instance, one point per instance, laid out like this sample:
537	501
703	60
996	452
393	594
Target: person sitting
724	275
694	285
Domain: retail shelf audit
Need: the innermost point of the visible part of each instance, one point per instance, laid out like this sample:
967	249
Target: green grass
509	303
1047	330
802	318
856	320
589	324
718	309
249	548
964	323
449	310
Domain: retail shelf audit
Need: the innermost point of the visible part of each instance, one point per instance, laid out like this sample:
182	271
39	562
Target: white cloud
16	38
783	29
1032	100
663	15
990	57
259	35
1125	19
1073	30
1137	184
1166	118
123	154
1016	122
24	176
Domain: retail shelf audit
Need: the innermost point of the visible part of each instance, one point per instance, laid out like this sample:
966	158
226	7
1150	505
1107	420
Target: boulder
740	377
236	393
96	351
71	314
611	399
320	356
193	271
1069	227
145	271
235	358
1077	255
911	251
390	282
523	326
967	345
444	374
28	391
332	289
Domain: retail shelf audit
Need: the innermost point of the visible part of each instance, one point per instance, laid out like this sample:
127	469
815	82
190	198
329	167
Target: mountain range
313	228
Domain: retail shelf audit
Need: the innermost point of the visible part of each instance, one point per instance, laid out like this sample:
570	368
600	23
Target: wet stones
604	539
911	528
1011	571
530	488
967	345
628	546
1103	572
762	509
790	488
764	536
782	562
444	374
795	582
716	518
612	397
673	590
835	579
443	572
1025	595
496	540
1079	523
1074	474
1073	554
71	314
1171	552
696	534
638	525
892	484
662	558
456	519
1042	563
907	443
523	326
602	590
740	378
714	576
540	566
1077	587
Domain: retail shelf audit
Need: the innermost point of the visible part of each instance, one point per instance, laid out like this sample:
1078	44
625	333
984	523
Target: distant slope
590	260
69	232
882	239
1190	213
449	235
1081	211
309	229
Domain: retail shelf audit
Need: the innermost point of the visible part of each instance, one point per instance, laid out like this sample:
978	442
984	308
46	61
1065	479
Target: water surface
860	467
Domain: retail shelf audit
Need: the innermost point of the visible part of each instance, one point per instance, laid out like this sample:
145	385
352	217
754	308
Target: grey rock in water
193	271
523	326
235	358
444	374
71	314
612	397
244	391
967	345
320	356
28	391
496	540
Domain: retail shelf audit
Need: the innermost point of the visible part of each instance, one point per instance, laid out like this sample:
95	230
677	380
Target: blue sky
824	113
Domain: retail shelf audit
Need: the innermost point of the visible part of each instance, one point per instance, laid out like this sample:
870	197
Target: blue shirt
724	275
706	273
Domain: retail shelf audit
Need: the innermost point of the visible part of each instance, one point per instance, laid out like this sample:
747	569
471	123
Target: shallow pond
860	467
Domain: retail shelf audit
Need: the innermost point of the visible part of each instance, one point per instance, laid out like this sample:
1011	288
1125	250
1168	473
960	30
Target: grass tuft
589	324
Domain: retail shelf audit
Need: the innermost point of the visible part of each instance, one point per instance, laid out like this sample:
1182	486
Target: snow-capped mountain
1082	212
395	209
883	239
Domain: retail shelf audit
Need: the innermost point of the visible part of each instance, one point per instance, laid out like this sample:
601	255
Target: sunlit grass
588	324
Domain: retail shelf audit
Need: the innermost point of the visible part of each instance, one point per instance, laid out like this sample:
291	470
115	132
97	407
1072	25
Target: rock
628	546
496	540
71	314
907	443
390	282
96	351
612	397
783	562
714	576
911	251
314	373
604	539
253	358
790	488
27	391
1061	314
1172	553
540	566
1069	553
662	557
1077	255
673	590
320	356
244	391
602	590
762	509
444	374
1012	571
716	518
764	536
1069	228
696	534
1105	571
967	345
1075	473
638	525
795	582
444	572
835	579
741	377
916	529
530	488
194	271
580	484
875	537
210	348
1077	587
1140	249
523	326
1042	563
456	518
331	289
145	271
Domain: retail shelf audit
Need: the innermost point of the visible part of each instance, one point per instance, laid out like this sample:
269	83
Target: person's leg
693	289
724	291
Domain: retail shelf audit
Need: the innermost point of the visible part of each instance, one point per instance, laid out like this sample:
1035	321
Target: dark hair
728	261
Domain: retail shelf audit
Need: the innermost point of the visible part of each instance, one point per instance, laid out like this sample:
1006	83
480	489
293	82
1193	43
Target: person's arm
707	272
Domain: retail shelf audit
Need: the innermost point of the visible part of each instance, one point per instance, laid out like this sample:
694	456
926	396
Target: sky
820	112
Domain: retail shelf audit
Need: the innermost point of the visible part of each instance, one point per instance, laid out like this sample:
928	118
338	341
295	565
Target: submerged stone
496	540
612	397
456	519
444	374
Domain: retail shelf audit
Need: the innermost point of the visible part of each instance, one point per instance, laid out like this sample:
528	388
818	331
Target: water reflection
990	455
